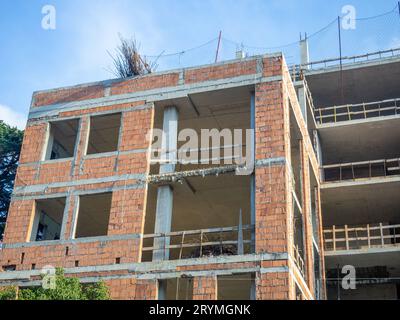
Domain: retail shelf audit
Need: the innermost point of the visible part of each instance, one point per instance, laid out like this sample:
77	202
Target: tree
65	289
10	147
128	62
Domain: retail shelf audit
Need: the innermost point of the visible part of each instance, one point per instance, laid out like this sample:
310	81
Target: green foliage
65	289
10	147
8	293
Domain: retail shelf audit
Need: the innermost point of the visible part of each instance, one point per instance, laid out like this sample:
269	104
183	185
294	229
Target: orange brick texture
205	288
271	127
128	205
132	289
273	286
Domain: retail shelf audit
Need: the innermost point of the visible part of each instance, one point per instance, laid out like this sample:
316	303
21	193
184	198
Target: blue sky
32	58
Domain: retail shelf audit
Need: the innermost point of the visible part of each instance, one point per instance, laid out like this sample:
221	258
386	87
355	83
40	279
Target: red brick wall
87	254
132	289
127	210
128	205
274	286
205	288
145	83
271	181
220	71
67	95
32	145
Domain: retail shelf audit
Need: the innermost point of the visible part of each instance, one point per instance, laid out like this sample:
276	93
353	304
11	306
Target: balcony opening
211	129
371	282
47	219
175	289
93	215
205	218
104	133
62	139
236	287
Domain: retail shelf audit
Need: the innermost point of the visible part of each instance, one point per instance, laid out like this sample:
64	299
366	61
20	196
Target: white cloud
12	118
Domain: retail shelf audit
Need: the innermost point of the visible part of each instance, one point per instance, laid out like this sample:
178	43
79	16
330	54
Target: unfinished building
96	195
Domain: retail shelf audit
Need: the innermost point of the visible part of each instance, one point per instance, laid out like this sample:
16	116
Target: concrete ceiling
220	109
215	203
374	139
391	259
361	204
227	104
363	84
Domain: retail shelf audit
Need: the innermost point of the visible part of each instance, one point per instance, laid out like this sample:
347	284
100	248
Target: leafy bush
65	289
8	293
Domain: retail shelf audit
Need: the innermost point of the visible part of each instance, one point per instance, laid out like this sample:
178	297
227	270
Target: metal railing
362	170
359	111
202	242
297	70
298	259
361	237
322	64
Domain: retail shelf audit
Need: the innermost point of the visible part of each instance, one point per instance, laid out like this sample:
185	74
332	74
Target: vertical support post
253	176
341	62
381	232
240	249
162	290
338	282
165	193
301	92
368	236
304	53
346	236
334	237
318	151
169	141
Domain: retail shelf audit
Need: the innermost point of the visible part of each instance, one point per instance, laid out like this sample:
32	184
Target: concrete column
169	141
301	93
318	149
165	193
304	54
